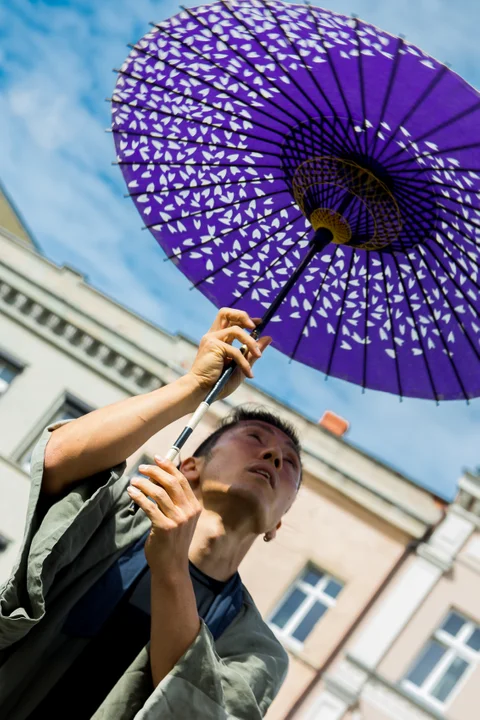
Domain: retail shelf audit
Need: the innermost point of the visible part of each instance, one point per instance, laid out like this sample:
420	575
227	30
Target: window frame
455	647
5	542
17	364
314	594
47	419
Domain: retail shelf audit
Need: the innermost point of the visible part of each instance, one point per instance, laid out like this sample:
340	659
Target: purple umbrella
320	172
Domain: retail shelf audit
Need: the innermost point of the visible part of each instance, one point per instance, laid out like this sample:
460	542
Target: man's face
253	469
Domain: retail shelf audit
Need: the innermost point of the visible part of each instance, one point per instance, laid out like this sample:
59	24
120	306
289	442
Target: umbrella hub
349	200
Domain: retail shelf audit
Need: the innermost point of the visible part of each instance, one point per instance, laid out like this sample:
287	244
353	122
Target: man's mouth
263	472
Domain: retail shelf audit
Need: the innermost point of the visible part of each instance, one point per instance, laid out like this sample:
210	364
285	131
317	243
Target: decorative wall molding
78	342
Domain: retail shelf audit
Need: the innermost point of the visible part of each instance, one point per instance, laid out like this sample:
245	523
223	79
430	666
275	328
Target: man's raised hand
216	350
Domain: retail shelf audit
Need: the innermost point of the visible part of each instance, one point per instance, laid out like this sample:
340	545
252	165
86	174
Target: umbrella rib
191	119
435	153
415	107
432	315
453	259
209	60
365	330
456	231
260	243
362	85
214	209
392	326
412	315
200	101
452	309
267	51
307	69
187	164
440	126
226	233
339	322
190	140
274	262
388	92
425	187
184	188
440	218
457	265
251	65
316	296
335	75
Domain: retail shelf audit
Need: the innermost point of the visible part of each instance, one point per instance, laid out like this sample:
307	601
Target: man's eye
257	437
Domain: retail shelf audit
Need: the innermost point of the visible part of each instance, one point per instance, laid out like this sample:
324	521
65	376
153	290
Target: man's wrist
190	388
173	580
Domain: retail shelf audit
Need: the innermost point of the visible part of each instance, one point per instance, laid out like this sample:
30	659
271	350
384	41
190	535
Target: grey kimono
66	548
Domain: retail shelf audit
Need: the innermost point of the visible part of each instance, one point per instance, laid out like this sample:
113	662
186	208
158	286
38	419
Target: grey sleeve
56	531
239	684
236	677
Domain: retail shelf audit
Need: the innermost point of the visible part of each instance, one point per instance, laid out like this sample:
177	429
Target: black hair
243	413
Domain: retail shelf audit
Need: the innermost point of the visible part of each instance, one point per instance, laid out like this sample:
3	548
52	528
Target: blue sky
56	59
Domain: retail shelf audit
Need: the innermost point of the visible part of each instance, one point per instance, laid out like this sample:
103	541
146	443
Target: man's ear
191	468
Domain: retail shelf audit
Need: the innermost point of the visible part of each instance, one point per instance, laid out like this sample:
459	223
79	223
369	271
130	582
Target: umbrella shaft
321	239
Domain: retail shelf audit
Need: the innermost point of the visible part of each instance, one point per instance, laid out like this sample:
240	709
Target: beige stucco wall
459	589
340	538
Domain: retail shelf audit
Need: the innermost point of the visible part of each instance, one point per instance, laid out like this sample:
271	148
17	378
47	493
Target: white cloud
56	163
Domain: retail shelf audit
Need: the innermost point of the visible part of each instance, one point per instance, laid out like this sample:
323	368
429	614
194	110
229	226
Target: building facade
66	349
416	656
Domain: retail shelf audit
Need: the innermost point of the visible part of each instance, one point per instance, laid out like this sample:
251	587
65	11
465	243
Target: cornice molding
79	343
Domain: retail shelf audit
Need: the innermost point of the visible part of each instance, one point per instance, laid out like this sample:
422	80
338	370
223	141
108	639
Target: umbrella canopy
243	127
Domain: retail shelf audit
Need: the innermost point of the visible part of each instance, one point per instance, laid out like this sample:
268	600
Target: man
114	616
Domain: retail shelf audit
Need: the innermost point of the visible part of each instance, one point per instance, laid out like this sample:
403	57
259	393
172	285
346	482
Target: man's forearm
175	623
107	436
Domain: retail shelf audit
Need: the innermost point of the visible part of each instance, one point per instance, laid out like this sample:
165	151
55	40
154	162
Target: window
4	542
68	410
306	602
454	647
8	371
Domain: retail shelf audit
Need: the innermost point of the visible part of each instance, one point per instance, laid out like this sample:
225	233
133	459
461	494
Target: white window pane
445	685
474	640
453	624
286	610
304	628
333	588
312	576
428	660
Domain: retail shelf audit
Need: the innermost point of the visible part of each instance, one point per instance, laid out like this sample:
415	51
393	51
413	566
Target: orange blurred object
334	423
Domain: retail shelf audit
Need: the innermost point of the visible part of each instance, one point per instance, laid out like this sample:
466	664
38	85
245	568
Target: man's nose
274	455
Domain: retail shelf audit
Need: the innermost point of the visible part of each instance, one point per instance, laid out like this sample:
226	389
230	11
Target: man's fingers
162	477
235	332
263	343
231	316
178	476
236	355
151	509
151	490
